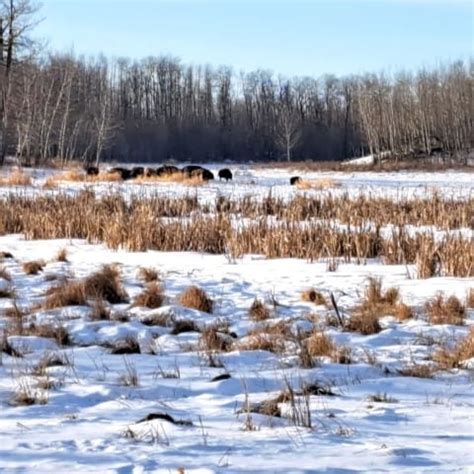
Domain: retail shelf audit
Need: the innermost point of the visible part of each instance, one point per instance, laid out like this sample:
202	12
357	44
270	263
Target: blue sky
289	37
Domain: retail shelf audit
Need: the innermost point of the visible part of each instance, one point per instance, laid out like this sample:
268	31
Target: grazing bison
149	172
166	170
203	173
225	174
124	173
295	180
137	171
92	171
190	168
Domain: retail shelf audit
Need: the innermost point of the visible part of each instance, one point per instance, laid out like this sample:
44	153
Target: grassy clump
441	310
196	298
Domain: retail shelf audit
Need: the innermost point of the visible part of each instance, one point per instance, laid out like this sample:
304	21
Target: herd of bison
190	171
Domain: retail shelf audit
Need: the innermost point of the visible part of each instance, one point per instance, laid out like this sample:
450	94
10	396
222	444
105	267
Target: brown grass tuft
61	256
259	311
151	297
445	311
320	344
68	293
403	312
213	340
33	267
100	311
148	275
313	296
423	371
196	298
106	283
447	358
365	321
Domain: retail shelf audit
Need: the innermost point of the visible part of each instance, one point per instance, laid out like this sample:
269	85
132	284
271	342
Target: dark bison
190	168
149	172
166	170
123	172
92	171
203	173
137	171
225	174
295	180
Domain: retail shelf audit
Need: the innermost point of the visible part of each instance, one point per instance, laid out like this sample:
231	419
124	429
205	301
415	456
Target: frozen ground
90	422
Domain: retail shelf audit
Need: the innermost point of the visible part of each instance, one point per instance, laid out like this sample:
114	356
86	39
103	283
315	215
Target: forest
157	109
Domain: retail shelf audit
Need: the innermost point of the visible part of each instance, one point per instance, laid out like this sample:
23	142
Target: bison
123	172
190	168
166	170
225	174
92	171
137	171
203	173
295	180
149	172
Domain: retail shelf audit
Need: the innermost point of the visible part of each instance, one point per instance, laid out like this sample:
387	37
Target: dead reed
442	310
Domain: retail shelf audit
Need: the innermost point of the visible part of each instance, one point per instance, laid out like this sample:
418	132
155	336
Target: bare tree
16	21
287	132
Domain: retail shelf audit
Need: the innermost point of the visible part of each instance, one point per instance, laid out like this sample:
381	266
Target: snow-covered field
363	416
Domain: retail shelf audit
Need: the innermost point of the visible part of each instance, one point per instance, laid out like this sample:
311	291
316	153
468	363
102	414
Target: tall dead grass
139	225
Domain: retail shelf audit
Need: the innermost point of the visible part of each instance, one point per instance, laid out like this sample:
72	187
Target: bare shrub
441	310
33	267
313	296
196	298
259	311
151	297
148	275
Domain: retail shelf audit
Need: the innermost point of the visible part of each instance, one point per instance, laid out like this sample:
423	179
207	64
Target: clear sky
289	37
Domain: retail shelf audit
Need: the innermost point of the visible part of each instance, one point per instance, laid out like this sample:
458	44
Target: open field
238	327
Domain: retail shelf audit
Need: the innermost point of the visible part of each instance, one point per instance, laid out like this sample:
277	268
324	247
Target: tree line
157	109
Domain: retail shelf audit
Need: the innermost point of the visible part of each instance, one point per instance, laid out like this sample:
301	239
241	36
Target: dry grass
423	371
151	297
79	176
61	256
148	275
178	177
213	340
319	344
470	298
100	311
259	311
67	293
33	267
196	298
106	284
322	183
365	321
403	312
16	178
313	296
452	358
441	310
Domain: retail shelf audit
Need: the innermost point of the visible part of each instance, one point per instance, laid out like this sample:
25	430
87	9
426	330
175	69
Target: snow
91	421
